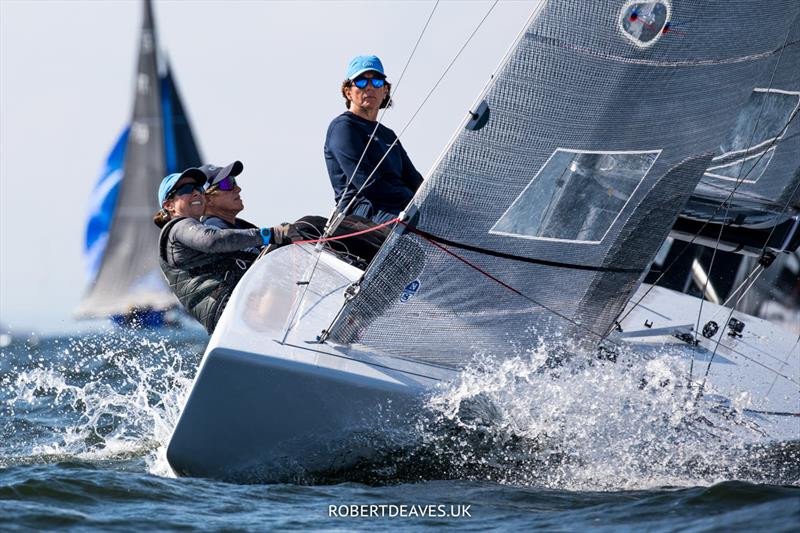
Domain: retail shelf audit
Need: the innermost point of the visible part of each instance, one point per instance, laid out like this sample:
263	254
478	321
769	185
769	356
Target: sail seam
649	62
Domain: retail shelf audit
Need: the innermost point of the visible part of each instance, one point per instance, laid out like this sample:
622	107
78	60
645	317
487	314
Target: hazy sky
260	81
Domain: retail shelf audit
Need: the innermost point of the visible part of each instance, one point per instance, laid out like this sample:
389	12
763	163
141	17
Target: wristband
266	235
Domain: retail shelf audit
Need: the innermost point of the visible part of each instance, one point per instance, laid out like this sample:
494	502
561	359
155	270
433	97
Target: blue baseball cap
168	183
361	64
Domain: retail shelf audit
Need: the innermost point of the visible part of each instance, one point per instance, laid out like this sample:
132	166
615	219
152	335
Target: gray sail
756	170
129	276
601	123
759	151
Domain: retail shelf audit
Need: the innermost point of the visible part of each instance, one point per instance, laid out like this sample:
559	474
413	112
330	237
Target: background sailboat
126	283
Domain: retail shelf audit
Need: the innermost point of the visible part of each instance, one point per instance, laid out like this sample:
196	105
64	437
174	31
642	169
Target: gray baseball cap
215	174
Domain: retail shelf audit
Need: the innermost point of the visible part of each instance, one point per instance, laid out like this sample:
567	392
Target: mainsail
121	238
756	170
601	123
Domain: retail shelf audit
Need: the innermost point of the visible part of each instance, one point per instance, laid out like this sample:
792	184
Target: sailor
203	263
224	199
395	180
224	203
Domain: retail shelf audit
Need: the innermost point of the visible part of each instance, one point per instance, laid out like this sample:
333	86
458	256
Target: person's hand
280	234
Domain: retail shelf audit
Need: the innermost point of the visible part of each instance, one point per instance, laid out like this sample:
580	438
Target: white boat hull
265	407
270	403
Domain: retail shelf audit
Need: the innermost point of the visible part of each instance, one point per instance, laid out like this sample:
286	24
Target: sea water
515	444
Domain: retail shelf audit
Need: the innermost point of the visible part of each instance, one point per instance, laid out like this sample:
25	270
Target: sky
260	81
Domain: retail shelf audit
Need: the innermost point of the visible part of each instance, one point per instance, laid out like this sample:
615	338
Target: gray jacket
203	264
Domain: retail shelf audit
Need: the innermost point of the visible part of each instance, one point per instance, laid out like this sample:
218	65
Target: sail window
747	149
576	196
643	23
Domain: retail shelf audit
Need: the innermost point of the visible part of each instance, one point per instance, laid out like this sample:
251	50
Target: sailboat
126	283
609	128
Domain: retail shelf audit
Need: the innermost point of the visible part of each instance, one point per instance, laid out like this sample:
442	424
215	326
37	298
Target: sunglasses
361	83
186	188
227	184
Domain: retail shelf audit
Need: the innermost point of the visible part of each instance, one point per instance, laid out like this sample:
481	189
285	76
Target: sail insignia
643	23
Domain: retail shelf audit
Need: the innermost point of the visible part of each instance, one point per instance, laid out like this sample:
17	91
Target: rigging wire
783	363
337	215
334	219
700	230
739	178
757	271
380	118
419	108
733	308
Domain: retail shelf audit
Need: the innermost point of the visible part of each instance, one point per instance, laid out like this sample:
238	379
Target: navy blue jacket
396	180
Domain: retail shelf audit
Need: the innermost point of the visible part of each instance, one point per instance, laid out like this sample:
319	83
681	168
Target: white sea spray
589	424
104	397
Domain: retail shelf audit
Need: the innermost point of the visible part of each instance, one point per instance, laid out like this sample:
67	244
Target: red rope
326	239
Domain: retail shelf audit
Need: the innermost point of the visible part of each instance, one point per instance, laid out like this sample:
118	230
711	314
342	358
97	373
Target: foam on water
586	424
102	397
593	424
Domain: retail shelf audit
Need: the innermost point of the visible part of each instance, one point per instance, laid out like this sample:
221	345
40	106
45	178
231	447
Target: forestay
602	121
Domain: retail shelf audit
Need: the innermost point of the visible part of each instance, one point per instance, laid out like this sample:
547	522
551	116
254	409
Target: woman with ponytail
202	263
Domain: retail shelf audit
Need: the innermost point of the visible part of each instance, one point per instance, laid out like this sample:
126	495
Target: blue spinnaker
101	206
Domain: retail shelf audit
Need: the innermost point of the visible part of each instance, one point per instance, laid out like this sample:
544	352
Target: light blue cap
169	182
361	64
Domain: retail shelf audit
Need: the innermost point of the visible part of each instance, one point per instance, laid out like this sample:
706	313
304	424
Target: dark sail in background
159	141
180	147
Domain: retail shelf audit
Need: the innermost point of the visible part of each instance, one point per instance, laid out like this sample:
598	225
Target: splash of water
590	424
102	397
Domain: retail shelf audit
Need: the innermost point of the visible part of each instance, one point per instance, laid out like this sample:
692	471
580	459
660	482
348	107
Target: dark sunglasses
186	188
227	184
361	83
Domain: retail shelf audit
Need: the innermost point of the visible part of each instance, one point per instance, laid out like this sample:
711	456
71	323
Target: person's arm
346	144
411	176
208	239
